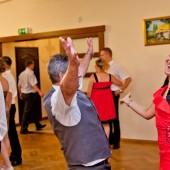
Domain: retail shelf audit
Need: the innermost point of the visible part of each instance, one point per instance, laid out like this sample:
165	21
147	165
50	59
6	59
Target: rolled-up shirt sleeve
80	83
32	79
65	114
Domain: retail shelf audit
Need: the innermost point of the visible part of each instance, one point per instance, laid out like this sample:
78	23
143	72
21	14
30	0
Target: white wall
124	34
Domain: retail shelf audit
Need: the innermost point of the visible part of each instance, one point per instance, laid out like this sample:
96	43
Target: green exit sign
22	31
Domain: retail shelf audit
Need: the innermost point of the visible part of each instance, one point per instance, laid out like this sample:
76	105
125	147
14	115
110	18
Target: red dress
103	100
162	110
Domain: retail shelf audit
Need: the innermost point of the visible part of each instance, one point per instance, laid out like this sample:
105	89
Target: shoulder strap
95	76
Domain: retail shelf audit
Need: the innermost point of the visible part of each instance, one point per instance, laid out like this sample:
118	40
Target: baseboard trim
139	141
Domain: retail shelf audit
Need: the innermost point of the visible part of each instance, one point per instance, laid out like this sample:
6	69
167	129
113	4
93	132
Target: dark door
21	54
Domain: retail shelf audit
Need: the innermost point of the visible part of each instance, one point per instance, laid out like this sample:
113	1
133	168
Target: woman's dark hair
166	82
7	60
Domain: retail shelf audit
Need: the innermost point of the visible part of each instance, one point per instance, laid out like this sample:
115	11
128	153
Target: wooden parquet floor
42	151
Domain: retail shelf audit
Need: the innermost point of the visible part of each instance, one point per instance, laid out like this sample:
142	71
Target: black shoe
39	127
16	162
116	146
11	157
26	132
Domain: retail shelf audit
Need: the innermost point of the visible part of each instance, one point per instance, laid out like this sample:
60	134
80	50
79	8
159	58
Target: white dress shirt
66	115
118	71
12	84
3	121
27	80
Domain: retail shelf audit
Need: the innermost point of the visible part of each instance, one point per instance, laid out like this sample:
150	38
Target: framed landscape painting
157	30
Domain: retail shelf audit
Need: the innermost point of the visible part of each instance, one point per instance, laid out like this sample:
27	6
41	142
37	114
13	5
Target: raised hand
90	47
70	50
125	99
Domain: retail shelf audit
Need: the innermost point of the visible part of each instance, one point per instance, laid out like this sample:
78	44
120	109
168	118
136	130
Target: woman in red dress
160	108
100	93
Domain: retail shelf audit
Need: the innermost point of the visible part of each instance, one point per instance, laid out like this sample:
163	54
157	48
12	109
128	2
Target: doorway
20	56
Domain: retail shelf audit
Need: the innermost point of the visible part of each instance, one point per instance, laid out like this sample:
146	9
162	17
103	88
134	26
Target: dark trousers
28	114
114	137
13	136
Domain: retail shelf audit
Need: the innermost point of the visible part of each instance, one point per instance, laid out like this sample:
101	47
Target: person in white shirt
118	71
3	121
15	156
27	87
5	146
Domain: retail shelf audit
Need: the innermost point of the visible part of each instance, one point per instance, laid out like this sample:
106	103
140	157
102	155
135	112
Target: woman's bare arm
145	112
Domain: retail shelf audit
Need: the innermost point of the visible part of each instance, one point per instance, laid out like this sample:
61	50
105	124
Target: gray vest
84	142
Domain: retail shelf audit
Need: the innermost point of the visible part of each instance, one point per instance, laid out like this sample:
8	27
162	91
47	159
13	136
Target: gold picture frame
157	31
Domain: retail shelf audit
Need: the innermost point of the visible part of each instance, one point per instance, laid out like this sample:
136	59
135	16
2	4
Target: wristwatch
121	91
